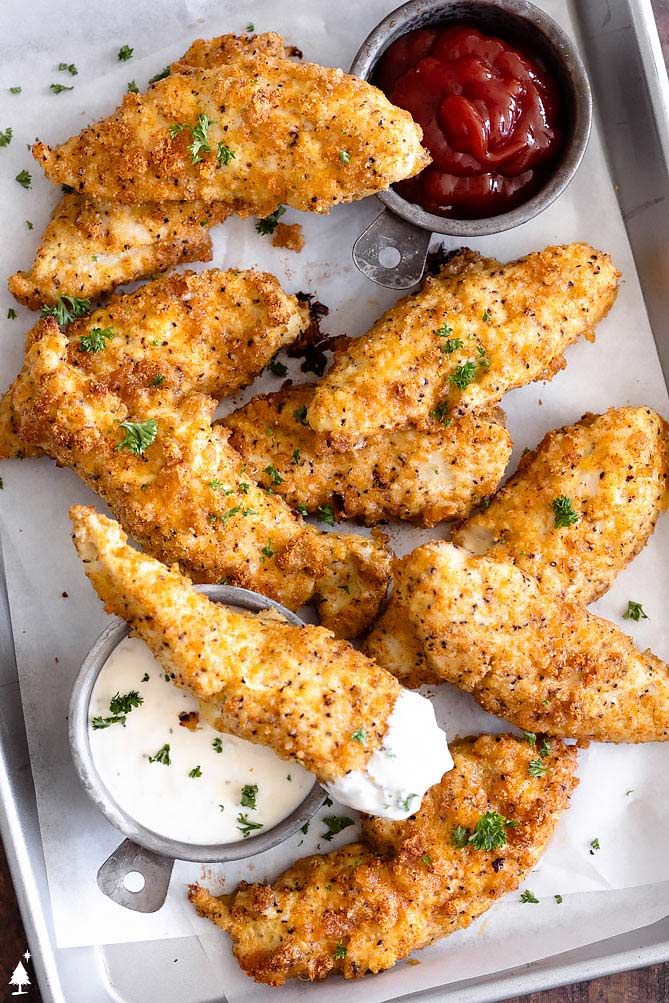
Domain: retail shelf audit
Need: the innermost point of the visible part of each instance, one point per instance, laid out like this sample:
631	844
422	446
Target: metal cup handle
127	859
384	239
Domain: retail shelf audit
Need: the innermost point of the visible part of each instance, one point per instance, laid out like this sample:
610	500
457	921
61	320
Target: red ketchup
490	114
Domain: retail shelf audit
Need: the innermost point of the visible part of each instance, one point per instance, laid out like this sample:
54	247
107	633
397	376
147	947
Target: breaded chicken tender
250	130
423	476
295	689
475	331
581	506
369	904
90	247
211	332
543	664
181	491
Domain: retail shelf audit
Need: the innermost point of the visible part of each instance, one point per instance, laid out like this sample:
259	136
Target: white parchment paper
624	791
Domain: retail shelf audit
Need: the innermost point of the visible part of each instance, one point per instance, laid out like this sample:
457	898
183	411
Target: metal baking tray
620	44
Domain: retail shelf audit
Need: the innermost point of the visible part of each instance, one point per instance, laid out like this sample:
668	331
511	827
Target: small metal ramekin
145	851
517	19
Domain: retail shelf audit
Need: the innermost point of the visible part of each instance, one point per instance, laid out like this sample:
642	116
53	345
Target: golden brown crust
365	906
424	476
89	247
187	497
509	324
295	689
613	467
541	663
302	135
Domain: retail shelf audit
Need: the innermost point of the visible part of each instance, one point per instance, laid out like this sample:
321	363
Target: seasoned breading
208	53
472	333
212	332
91	247
543	664
186	497
252	130
422	476
613	468
294	689
367	905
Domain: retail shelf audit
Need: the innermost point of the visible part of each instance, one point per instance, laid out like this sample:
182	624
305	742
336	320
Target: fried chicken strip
295	689
612	469
472	333
212	332
89	247
367	905
422	476
543	664
250	129
181	490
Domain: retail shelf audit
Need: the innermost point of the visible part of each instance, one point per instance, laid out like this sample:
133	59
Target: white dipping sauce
414	757
199	809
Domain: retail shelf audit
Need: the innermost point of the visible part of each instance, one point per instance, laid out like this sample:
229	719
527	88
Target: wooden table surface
648	985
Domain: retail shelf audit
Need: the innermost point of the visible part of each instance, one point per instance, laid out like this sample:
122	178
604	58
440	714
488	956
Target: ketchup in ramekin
491	118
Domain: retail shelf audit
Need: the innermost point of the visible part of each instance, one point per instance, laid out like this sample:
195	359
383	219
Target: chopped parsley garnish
405	805
250	26
249	795
302	509
273	474
244	487
325	513
635	611
297	456
269	223
460	837
594	845
124	704
138	435
558	899
217	745
165	72
426	859
158	380
132	87
145	677
200	144
29	224
360	736
66	309
345	156
300	414
224	154
96	340
245	826
528	896
463	375
59	88
486	316
335	824
11	313
119	708
278	368
104	722
490	831
537	768
195	772
24	178
6	136
440	412
451	345
68	68
545	748
340	952
267	549
15	90
530	737
564	512
444	331
162	755
215	484
125	53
